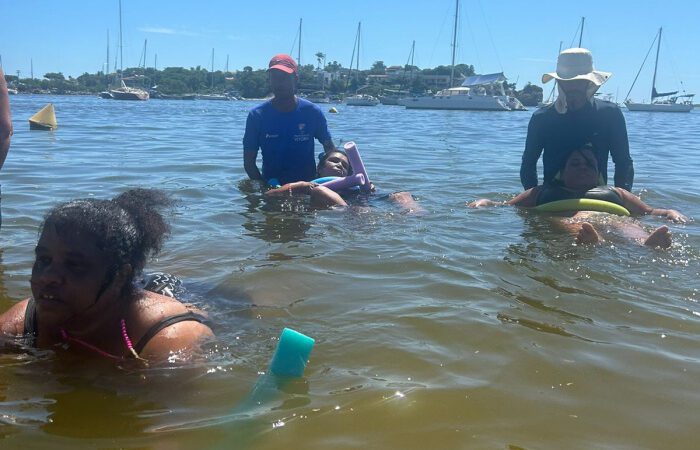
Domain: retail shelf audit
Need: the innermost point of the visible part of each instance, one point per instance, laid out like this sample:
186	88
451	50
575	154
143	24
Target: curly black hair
129	228
322	157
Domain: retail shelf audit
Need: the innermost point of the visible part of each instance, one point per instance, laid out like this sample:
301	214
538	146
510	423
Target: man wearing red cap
284	128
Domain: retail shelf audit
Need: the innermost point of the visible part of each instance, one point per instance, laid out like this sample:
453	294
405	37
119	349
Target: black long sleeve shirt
601	123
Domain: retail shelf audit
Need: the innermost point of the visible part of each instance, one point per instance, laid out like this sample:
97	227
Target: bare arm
525	199
5	120
250	164
298	187
321	196
637	207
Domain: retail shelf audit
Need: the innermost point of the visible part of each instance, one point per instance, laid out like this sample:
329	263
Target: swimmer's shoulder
12	320
183	335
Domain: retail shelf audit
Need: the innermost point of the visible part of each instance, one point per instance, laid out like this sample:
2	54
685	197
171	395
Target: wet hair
129	228
323	156
591	162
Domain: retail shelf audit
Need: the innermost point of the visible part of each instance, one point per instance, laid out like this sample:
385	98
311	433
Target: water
457	328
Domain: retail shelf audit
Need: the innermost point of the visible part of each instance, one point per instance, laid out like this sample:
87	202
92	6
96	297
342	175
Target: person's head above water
577	78
333	164
580	169
283	76
92	250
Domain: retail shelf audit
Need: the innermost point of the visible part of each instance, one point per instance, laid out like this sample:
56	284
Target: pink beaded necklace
125	337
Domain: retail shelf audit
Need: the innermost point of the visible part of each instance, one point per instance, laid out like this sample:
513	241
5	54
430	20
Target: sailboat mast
656	64
121	50
413	52
212	69
359	36
299	49
107	65
454	43
352	58
580	36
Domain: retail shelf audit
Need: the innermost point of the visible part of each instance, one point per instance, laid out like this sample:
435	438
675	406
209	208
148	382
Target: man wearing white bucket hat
577	118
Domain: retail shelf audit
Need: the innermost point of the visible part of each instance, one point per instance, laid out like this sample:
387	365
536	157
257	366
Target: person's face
69	273
335	165
581	170
282	84
575	92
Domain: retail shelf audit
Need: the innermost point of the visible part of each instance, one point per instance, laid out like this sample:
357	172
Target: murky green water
457	328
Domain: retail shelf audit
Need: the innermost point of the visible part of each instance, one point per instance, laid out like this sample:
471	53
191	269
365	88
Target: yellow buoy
333	110
45	119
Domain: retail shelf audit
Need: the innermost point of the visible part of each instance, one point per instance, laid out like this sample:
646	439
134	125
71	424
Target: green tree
378	68
530	95
54	76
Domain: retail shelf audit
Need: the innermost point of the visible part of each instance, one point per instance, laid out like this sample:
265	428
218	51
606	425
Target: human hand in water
480	203
675	216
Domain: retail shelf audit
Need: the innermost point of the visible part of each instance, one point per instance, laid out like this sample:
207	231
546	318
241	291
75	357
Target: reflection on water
457	328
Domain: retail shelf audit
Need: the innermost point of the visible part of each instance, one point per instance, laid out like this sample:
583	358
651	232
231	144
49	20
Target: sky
517	37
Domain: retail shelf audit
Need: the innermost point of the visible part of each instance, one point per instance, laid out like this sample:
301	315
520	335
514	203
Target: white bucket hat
576	64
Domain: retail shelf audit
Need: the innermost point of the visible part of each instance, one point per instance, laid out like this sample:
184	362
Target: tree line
252	83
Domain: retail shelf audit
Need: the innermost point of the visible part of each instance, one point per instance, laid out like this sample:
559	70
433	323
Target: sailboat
478	92
359	99
661	101
125	92
212	96
396	96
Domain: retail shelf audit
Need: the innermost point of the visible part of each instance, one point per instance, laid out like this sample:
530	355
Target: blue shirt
601	123
286	139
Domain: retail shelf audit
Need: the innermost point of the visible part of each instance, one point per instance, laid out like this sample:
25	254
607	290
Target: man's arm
329	146
620	152
250	148
533	150
250	164
5	120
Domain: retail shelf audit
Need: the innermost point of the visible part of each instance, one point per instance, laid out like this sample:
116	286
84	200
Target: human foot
587	235
661	237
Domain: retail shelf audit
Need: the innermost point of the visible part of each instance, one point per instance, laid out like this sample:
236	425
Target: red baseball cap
283	62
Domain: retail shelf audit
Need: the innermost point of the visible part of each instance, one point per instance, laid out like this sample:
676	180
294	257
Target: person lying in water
84	297
335	164
579	178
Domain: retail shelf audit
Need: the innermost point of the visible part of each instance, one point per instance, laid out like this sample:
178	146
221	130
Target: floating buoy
333	110
45	119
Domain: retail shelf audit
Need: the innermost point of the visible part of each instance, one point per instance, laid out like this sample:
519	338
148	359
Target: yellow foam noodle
44	119
583	204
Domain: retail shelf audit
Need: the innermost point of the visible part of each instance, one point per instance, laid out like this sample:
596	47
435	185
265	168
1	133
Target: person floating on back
579	177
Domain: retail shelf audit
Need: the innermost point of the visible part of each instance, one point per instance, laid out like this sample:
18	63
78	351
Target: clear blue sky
520	38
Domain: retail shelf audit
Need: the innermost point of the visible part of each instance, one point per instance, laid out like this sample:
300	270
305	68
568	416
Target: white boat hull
365	100
659	107
464	102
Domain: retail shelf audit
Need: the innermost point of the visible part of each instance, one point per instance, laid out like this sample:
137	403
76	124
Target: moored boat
128	93
478	92
361	100
661	101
